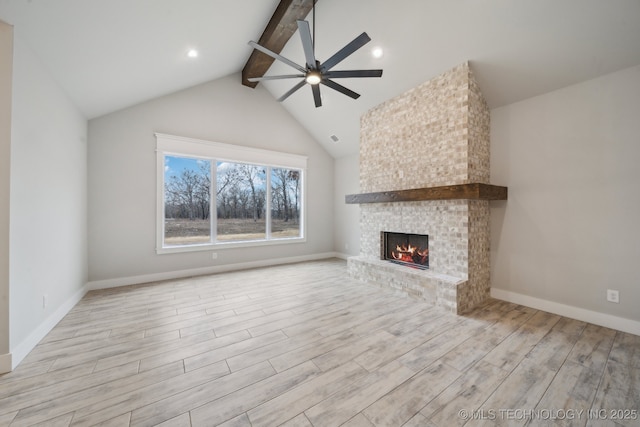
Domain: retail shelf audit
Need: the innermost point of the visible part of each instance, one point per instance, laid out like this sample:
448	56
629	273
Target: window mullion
267	216
213	201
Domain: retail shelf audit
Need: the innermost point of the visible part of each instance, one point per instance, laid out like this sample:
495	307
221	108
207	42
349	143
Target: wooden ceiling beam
279	30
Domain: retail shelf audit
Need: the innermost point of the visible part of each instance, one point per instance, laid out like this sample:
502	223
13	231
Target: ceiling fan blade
292	90
276	56
316	95
287	76
353	73
340	55
335	86
307	43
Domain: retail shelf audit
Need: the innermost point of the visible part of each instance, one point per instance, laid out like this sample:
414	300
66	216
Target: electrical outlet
346	246
214	255
44	301
613	296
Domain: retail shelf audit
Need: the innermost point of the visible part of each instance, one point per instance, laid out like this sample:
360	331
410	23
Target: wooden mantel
475	191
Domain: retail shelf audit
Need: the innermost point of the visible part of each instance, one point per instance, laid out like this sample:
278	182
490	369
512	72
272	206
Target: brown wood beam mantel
279	30
475	191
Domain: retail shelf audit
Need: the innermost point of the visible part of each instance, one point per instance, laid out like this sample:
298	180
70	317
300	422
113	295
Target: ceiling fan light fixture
314	72
313	77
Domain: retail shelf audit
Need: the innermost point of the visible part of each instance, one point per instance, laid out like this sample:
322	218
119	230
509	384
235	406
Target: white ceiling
110	54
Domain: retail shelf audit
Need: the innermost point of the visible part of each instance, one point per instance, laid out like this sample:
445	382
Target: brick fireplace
436	134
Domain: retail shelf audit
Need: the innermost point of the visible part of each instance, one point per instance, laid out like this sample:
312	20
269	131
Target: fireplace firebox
408	249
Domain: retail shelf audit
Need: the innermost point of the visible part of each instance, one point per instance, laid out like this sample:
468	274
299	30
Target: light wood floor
304	345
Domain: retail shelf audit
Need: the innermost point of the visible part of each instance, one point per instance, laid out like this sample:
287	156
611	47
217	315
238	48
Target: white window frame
179	146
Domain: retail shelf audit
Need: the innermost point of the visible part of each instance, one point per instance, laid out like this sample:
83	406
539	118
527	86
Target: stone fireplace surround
436	134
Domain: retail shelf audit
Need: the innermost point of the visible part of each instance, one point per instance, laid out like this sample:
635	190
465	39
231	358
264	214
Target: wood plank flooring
305	345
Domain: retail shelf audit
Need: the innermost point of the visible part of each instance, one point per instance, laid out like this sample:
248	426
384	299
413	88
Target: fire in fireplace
403	248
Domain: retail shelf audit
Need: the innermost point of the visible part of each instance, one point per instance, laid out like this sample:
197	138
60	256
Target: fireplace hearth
407	249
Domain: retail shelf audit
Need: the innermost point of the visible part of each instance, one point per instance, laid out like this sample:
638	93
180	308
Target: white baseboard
342	255
22	349
589	316
169	275
5	363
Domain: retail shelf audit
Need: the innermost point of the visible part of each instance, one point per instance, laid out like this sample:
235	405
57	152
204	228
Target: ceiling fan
314	72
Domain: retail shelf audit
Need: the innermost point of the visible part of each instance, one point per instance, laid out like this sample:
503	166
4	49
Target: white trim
156	277
23	349
5	363
159	199
231	244
181	145
597	318
342	256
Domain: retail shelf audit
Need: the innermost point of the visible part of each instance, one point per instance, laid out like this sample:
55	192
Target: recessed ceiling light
377	52
192	53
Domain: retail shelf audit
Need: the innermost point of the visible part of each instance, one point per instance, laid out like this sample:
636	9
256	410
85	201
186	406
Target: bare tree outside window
241	199
285	202
187	201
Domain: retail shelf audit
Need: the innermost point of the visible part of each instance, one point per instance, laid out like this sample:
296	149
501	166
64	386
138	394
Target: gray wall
48	201
6	62
347	217
122	176
570	229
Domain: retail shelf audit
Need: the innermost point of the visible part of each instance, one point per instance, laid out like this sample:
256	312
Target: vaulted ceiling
110	54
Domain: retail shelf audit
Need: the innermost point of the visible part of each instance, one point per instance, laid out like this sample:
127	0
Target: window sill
227	245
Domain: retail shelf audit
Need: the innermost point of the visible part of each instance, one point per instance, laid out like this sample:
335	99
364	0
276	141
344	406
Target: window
214	195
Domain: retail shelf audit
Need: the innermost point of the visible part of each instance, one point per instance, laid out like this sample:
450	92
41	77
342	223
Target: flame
410	254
